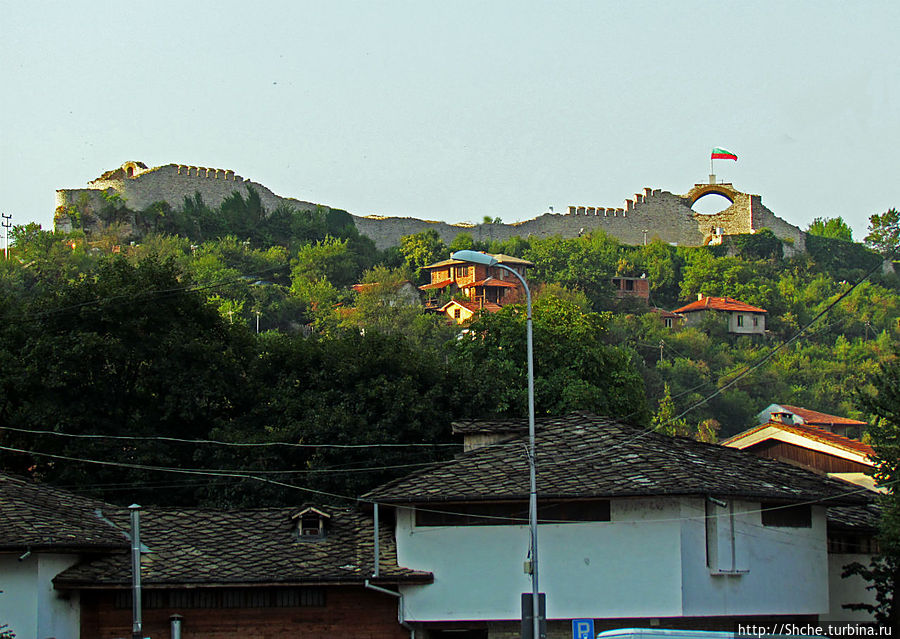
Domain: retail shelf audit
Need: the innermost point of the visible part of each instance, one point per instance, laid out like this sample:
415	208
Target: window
740	320
629	285
668	322
225	598
512	514
461	271
311	524
783	516
755	321
457	313
844	542
725	551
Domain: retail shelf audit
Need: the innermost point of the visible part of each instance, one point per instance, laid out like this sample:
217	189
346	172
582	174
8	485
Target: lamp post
476	257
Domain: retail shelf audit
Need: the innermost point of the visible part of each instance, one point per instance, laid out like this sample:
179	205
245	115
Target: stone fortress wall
652	214
141	186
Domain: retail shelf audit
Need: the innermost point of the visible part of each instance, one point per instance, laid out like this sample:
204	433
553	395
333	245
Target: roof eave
424	578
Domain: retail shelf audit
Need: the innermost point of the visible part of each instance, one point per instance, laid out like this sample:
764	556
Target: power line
239	475
223	443
216	472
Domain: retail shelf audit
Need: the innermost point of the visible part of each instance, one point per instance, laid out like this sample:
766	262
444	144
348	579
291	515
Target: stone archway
700	190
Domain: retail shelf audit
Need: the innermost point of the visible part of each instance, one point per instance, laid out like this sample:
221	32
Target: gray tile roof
248	547
41	517
863	519
500	426
583	455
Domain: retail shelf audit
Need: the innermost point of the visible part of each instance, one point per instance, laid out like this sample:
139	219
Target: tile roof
863	518
814	417
509	259
814	433
500	257
583	455
719	304
434	285
248	547
493	426
39	516
490	307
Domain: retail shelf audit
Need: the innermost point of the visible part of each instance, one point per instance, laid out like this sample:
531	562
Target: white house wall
648	561
628	567
29	604
748	328
849	590
786	567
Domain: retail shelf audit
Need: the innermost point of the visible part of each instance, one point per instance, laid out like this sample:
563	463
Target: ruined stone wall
172	183
651	214
661	214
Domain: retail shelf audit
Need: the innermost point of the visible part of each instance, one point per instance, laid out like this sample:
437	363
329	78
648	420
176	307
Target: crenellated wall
651	214
141	186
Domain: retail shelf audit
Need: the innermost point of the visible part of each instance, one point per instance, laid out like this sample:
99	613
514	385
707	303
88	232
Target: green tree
574	369
884	433
422	249
330	259
884	232
665	419
833	227
128	351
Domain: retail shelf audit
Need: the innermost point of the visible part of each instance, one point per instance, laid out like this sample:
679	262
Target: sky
458	110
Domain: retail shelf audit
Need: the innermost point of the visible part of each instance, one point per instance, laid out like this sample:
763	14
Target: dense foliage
240	325
883	572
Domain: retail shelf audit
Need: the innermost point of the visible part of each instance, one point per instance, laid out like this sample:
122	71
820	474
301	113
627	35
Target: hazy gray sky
456	110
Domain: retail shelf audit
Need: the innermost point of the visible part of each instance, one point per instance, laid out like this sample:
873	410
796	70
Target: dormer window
311	524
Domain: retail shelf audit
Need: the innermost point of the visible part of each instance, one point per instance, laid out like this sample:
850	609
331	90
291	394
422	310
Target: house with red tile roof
461	311
808	446
786	413
483	287
741	318
787	437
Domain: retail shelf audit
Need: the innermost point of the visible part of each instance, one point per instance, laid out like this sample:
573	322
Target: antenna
7	224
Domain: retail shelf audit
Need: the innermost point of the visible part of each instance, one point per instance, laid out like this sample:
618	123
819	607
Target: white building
740	318
637	529
44	531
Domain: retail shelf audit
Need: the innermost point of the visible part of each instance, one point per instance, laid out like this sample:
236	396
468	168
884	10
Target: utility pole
137	621
7	224
661	344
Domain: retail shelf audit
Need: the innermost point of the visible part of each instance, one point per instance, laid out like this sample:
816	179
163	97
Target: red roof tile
490	307
812	432
433	285
719	304
815	418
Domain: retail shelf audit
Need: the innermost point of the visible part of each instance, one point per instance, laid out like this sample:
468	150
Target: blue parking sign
582	629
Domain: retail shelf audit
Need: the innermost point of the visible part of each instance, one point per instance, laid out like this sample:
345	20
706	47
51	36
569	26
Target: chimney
699	296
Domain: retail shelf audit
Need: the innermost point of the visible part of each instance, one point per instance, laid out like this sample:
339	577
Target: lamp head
474	257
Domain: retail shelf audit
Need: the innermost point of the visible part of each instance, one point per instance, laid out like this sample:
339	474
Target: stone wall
171	183
651	214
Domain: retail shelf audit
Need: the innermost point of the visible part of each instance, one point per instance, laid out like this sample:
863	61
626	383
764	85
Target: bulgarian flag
722	154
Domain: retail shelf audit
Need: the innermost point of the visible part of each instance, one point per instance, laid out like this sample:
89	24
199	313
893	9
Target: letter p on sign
582	629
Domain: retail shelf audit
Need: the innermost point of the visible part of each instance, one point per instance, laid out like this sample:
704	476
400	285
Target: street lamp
476	257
